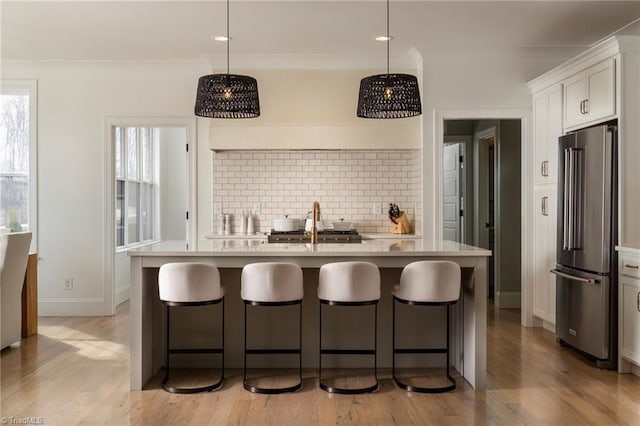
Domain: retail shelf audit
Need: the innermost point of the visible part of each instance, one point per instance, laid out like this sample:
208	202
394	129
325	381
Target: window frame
144	184
29	88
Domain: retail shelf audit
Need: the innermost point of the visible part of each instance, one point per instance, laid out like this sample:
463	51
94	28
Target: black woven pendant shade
227	96
389	96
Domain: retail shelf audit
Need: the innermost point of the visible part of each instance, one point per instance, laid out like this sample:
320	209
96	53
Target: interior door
451	225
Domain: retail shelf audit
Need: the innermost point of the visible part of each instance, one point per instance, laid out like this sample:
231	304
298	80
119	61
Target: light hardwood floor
76	372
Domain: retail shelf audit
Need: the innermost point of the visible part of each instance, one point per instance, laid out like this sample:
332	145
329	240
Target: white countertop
259	247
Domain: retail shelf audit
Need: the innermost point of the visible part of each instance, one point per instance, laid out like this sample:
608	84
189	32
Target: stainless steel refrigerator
586	287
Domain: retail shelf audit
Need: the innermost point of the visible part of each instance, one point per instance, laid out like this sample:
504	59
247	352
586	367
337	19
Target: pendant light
227	95
389	95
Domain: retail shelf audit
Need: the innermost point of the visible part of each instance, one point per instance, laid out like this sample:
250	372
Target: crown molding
406	61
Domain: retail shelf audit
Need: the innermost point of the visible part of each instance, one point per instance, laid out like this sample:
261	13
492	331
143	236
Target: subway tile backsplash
347	183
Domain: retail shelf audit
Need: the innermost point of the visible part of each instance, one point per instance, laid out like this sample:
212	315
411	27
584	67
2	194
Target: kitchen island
147	337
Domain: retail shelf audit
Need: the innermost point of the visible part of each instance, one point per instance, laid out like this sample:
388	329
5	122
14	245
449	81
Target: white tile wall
346	183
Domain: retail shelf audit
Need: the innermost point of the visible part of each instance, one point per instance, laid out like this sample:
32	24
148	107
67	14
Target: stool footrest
272	351
420	351
422	389
347	352
208	388
271	391
350	391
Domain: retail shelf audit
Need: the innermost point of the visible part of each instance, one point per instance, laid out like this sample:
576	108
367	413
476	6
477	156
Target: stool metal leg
374	351
256	389
422	389
165	381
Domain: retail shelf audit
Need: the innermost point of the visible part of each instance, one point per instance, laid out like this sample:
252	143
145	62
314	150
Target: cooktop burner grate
324	236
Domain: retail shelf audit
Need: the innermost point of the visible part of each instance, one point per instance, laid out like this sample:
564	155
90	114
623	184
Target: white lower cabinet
629	310
544	255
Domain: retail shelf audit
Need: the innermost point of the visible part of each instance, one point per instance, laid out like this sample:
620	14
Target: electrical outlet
256	208
68	283
376	208
217	209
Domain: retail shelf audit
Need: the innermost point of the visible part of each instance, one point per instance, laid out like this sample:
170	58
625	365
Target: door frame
525	117
190	126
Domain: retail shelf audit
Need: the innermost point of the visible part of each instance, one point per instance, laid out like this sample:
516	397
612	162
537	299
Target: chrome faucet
314	227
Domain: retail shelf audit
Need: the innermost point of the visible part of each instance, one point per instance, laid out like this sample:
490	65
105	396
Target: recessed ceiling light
384	38
220	38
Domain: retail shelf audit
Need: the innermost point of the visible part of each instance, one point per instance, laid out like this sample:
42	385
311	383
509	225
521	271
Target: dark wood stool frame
374	352
445	350
217	350
280	351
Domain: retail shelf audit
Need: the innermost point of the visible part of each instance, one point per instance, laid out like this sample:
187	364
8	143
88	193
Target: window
18	191
135	187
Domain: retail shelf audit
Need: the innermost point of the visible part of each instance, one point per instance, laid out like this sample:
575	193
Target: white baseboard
122	295
508	300
549	326
70	307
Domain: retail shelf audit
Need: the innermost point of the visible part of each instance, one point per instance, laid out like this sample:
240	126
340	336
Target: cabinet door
554	131
590	95
630	330
544	253
547	128
601	90
575	95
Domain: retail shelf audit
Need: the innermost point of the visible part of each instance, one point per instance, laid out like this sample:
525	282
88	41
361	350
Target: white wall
477	80
74	100
75	97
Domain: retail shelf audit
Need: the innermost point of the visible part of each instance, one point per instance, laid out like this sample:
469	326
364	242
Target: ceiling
181	30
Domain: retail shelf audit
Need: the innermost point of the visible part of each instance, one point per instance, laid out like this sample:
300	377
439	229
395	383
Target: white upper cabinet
590	95
547	128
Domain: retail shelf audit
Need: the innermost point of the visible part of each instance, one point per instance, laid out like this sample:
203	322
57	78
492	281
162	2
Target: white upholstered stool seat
427	283
349	284
186	284
272	284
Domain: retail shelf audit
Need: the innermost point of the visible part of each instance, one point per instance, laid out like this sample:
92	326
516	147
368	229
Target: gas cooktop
325	236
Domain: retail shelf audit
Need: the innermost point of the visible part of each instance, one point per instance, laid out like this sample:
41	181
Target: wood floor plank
76	371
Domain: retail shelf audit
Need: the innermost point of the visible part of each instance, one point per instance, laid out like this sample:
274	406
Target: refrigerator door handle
572	277
576	199
565	202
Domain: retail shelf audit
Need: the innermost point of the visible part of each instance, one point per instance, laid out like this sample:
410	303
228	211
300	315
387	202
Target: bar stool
349	284
272	284
426	283
190	284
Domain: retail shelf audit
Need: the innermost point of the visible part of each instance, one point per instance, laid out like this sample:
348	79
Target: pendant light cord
228	40
388	38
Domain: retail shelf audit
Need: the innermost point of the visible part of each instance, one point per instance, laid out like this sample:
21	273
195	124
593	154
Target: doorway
151	190
492	180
